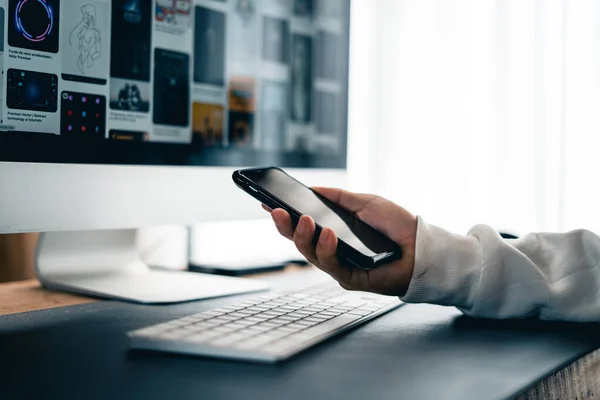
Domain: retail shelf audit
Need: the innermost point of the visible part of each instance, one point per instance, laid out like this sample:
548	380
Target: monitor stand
107	264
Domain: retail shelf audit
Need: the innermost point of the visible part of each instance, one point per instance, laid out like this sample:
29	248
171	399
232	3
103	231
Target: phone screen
346	225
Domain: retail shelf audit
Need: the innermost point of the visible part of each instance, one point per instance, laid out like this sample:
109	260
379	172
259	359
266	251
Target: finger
267	208
283	222
345	286
328	261
303	238
353	202
349	278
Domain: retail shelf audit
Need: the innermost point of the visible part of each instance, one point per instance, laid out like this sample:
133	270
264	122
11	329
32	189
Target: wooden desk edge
24	296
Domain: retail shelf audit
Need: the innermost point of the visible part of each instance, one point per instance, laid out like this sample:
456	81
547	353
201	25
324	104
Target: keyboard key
247	313
289	318
328	303
276	301
236	325
292	307
279	320
250	302
269	305
304	303
325	327
307	323
296	326
255	310
219	320
305	312
269	324
288	328
276	322
255	319
316	320
214	313
279	334
330	312
244	322
203	323
228	317
187	320
259	328
358	313
210	322
341	309
295	314
274	313
238	315
313	309
224	329
234	307
321	316
222	309
247	332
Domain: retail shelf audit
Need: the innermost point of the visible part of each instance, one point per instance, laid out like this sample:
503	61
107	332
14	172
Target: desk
578	380
23	296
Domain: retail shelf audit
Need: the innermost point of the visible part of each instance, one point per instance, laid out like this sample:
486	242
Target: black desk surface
414	352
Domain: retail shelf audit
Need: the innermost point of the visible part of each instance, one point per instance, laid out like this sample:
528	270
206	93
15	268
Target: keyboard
268	328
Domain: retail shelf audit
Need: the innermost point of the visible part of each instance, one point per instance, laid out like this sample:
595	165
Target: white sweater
546	275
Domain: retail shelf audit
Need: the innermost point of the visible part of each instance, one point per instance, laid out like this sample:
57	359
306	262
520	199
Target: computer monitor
129	113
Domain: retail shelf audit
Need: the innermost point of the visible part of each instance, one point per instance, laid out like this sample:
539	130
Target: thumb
352	202
387	217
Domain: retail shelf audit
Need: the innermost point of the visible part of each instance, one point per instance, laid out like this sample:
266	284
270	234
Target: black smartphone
359	244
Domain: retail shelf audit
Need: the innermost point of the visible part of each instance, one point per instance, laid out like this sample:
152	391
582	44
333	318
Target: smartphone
359	244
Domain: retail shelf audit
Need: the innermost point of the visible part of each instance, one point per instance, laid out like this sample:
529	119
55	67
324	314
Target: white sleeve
546	275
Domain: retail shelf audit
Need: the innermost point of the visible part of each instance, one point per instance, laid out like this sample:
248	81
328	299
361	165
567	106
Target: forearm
550	276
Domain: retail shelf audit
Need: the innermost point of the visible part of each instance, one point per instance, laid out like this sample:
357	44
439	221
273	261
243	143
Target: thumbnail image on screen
207	125
34	25
86	50
276	37
83	114
171	88
131	39
31	90
129	95
174	12
209	47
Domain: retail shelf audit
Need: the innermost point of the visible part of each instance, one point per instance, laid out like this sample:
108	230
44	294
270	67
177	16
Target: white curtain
480	111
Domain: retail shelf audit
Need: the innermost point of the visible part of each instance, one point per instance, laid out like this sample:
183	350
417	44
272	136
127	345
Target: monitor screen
175	82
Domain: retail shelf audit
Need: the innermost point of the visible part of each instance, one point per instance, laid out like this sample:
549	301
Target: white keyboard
269	328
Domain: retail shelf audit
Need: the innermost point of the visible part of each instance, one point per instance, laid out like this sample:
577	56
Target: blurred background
464	112
480	111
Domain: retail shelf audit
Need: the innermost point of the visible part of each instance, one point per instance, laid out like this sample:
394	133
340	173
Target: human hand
392	220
